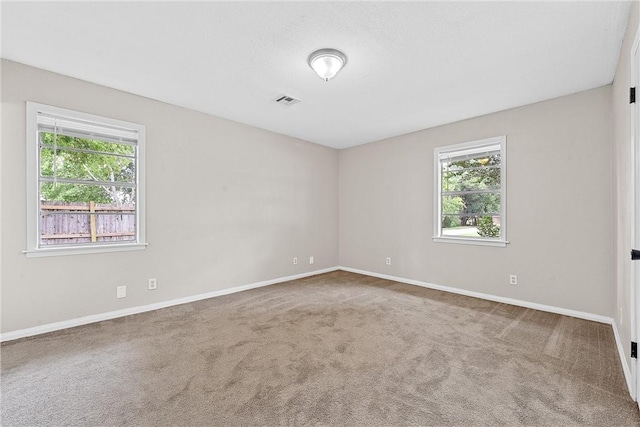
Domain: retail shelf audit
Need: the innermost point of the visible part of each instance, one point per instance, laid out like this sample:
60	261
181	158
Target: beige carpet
335	349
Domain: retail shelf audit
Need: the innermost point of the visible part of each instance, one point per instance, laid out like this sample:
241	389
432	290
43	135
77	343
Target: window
471	193
85	183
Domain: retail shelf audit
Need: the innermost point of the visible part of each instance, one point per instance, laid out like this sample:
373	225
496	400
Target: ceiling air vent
287	100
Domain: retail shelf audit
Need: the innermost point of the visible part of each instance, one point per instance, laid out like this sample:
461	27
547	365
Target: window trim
33	212
437	218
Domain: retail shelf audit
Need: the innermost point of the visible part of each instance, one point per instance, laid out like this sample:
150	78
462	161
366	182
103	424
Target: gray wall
227	205
559	206
623	197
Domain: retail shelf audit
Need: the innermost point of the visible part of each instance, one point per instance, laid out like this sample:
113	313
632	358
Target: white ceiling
411	65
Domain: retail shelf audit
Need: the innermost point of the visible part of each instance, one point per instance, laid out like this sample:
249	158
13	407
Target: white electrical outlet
153	284
121	292
310	260
513	279
388	261
295	260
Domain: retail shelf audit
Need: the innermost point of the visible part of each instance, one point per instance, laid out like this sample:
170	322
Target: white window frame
437	218
34	249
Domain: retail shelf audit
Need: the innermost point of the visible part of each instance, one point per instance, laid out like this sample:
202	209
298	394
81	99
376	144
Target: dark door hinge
634	350
632	95
635	254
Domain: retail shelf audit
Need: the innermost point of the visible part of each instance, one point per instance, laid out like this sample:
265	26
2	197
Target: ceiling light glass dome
327	62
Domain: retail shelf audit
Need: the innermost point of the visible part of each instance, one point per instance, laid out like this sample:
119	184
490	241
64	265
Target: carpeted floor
334	349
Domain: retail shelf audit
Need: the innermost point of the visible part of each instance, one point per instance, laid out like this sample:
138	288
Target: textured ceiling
411	65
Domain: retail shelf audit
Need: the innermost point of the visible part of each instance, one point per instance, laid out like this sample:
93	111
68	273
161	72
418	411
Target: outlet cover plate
121	292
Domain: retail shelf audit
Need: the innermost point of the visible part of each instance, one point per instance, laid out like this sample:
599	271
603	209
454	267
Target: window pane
471	215
466	225
86	166
474	174
70	222
474	204
85	193
47	138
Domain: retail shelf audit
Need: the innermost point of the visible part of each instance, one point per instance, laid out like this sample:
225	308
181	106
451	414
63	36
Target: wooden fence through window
75	222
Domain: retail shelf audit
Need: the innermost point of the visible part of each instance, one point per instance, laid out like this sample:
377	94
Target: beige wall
227	205
559	206
623	197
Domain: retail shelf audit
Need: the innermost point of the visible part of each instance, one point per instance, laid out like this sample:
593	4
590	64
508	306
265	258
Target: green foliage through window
471	190
93	161
487	228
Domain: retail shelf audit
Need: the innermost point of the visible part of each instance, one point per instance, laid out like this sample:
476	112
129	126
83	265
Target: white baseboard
51	327
623	360
536	306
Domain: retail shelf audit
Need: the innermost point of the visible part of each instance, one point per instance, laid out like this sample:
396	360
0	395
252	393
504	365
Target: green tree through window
89	160
85	181
470	190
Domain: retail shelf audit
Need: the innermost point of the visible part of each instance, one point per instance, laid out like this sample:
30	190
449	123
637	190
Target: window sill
82	250
471	241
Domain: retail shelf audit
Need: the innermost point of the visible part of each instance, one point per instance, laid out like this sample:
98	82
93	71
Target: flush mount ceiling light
327	62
